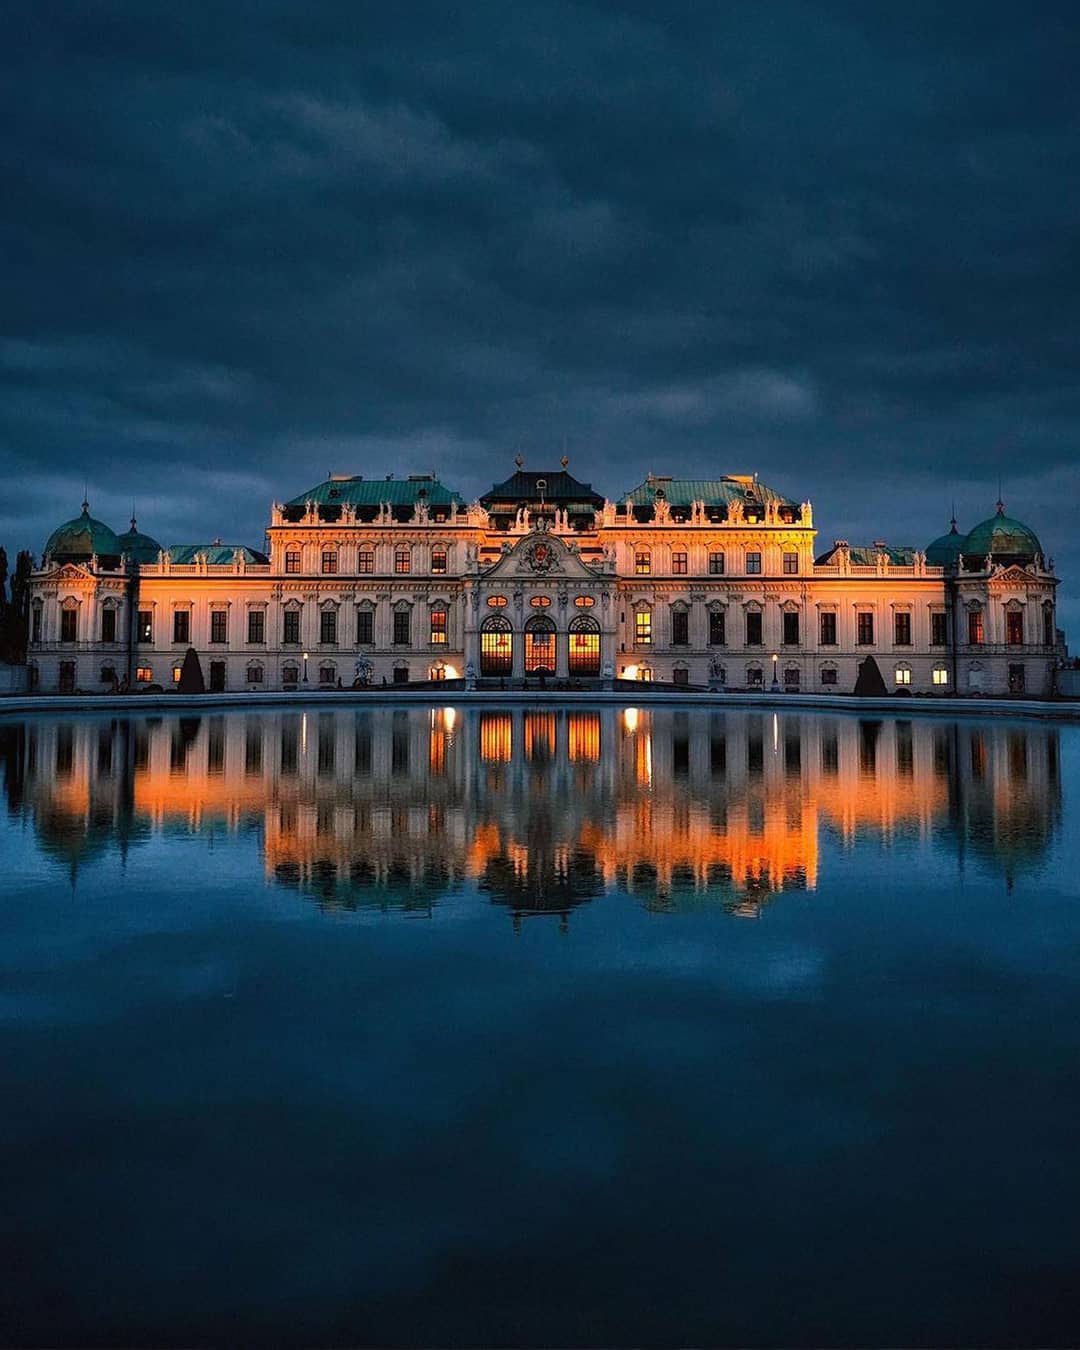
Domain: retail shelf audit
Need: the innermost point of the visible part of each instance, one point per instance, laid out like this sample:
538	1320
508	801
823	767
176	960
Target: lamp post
775	681
306	660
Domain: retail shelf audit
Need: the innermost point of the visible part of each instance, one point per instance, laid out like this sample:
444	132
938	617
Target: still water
616	1026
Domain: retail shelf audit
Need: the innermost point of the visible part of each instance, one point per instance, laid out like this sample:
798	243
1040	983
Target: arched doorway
496	647
540	646
584	646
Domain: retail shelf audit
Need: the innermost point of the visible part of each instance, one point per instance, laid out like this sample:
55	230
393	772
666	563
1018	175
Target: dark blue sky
247	243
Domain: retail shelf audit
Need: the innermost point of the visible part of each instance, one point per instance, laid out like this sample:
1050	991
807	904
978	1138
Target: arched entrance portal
584	647
540	646
496	647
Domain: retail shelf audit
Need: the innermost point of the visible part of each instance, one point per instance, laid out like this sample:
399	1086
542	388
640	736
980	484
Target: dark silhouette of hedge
869	682
191	676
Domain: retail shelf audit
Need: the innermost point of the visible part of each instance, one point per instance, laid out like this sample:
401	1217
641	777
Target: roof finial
85	498
519	459
1000	503
133	521
952	519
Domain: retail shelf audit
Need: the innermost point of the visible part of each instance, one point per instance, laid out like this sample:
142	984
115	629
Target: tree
191	677
869	682
15	616
3	579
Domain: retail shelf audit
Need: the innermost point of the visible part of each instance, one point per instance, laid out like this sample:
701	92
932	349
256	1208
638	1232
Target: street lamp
306	659
775	681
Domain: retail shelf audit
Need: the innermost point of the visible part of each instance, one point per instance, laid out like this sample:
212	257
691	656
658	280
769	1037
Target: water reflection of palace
540	809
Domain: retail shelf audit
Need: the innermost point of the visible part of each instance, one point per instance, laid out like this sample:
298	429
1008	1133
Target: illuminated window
753	563
679	564
902	629
643	627
402	560
144	674
219	625
497	601
643	562
438	671
329	561
181	625
791	564
540	647
328	626
365	560
940	675
584	601
644	674
584	647
292	560
496	647
438	627
716	564
365	626
903	674
438	560
176	674
975	627
540	601
146	625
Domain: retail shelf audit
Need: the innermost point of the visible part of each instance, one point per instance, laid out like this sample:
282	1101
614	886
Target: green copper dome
946	549
83	538
1003	537
139	546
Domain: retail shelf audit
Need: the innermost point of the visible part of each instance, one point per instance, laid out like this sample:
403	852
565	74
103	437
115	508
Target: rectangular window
438	560
438	627
791	628
365	625
716	564
68	625
35	629
938	630
146	625
329	561
144	674
902	629
108	625
717	625
680	628
219	625
753	563
678	564
292	560
865	633
827	623
402	627
290	627
643	562
328	627
753	628
680	677
643	627
828	675
940	675
402	560
365	560
791	564
1049	636
256	625
1014	627
181	625
903	675
975	627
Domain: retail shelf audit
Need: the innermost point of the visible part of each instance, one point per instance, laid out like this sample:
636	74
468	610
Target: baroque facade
701	582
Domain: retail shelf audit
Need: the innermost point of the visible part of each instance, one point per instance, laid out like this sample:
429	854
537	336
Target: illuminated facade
709	583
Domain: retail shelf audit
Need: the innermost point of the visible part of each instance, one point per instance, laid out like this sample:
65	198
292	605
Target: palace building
714	583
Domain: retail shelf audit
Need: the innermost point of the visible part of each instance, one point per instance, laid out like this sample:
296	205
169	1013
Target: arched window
902	673
437	671
540	646
584	646
496	647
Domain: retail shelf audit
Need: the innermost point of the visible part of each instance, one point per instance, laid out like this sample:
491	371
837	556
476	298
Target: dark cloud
248	243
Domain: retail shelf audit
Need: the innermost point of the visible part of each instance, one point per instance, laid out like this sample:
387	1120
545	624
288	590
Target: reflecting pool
596	1026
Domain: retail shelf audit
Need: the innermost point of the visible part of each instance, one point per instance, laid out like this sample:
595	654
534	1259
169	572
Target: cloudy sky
250	242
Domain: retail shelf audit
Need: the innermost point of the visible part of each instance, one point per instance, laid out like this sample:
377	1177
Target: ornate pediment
540	554
69	572
1014	574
